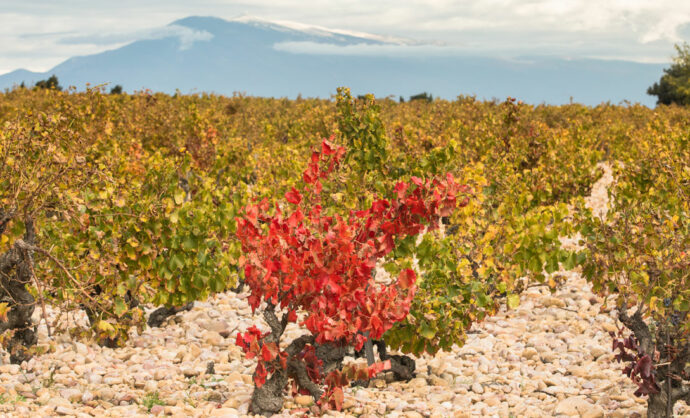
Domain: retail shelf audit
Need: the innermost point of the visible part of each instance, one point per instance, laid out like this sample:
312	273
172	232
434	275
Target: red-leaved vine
640	367
297	259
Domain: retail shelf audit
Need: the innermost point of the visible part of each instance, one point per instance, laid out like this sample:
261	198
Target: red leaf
293	196
378	367
338	397
379	206
294	220
292	315
376	326
260	375
326	148
407	278
266	353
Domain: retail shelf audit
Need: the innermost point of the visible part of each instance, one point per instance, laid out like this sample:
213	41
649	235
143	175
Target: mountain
285	59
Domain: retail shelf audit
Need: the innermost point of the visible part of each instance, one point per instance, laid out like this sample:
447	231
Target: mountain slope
204	54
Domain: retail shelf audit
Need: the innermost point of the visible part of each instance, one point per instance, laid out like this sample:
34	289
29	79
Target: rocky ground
549	357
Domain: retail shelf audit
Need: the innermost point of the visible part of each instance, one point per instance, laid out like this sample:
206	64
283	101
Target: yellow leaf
4	308
105	327
513	301
179	197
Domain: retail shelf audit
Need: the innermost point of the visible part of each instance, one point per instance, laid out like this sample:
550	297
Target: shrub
49	83
639	252
301	259
674	85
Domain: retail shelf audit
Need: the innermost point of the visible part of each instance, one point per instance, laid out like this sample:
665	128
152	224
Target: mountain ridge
209	54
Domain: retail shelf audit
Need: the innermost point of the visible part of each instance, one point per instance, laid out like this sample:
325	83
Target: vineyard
208	256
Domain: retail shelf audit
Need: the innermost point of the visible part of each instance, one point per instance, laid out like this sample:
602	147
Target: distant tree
22	86
116	90
401	99
50	83
422	96
674	86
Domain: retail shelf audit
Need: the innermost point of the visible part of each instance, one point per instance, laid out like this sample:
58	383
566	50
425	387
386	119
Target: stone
233	402
212	338
87	397
215	396
112	380
438	381
151	386
377	383
477	388
157	410
566	390
608	327
578	406
94	379
105	394
216	325
72	395
58	401
225	412
529	353
551	301
418	382
64	410
304	400
9	369
492	401
548	357
598	351
189	372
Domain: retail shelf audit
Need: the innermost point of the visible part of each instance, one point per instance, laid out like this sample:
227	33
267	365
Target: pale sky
37	35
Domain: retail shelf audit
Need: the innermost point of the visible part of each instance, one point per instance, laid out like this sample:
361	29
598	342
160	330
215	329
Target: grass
6	399
150	400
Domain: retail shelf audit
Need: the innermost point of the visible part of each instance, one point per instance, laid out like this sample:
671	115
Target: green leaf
119	307
189	243
426	331
571	261
681	305
552	263
513	301
179	197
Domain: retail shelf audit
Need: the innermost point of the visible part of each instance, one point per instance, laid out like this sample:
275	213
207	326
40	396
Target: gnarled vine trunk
16	271
669	369
157	317
269	398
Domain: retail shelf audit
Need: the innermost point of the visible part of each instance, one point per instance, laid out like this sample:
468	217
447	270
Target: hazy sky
38	35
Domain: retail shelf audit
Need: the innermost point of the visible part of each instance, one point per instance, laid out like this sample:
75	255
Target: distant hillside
206	54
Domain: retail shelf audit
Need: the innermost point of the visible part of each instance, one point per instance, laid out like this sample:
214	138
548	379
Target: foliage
133	199
301	260
674	85
639	252
507	235
49	83
422	96
134	225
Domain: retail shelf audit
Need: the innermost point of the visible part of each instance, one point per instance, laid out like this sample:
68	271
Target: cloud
41	33
186	36
364	49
